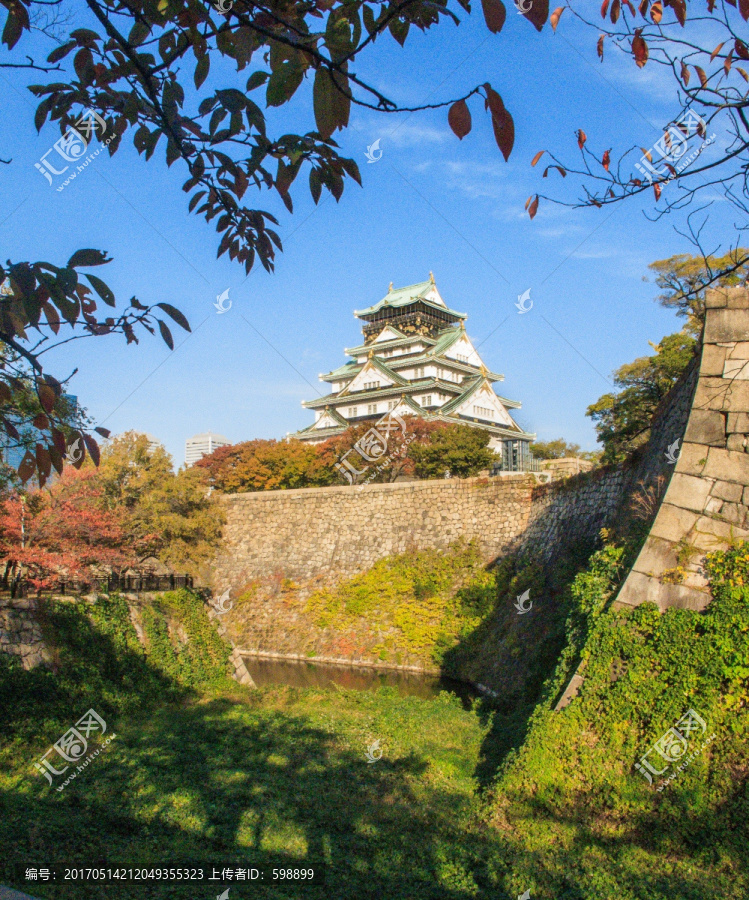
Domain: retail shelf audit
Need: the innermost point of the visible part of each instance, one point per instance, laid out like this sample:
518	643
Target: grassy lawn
484	803
266	778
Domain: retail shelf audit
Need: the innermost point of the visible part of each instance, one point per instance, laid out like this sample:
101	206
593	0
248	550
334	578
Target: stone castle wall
706	504
338	531
20	632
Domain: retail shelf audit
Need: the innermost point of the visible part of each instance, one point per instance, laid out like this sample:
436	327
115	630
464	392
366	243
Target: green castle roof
405	296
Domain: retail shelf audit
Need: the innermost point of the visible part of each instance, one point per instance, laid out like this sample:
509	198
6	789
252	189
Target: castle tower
416	359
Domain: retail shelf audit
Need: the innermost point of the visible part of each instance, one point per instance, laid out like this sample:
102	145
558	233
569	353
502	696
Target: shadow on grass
514	654
228	782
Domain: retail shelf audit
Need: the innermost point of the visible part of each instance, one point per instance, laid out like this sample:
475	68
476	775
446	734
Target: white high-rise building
200	445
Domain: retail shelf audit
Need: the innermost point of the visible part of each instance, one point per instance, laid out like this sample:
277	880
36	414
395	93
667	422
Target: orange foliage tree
65	532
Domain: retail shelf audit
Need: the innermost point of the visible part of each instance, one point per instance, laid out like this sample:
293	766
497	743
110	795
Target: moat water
305	674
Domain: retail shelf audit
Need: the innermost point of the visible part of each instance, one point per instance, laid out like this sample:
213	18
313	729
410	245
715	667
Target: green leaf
256	80
84	258
101	289
283	83
175	315
323	103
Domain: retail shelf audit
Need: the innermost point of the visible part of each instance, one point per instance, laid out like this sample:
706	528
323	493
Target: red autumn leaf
728	62
616	8
742	51
47	397
680	8
685	73
600	46
504	132
492	100
582	137
528	201
555	16
657	191
701	75
559	169
644	8
27	467
459	118
606	161
656	12
716	51
494	14
533	208
537	157
92	447
604	8
639	48
538	13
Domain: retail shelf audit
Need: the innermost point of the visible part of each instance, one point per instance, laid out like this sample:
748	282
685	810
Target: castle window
371	409
353	411
371	385
392	404
419	372
426	401
462	357
484	412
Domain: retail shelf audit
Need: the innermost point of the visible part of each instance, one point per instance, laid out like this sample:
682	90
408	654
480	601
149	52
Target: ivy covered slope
98	661
582	820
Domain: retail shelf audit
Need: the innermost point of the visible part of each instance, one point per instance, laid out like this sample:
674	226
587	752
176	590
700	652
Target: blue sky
430	203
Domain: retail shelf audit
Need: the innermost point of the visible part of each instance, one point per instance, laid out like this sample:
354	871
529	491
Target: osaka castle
416	359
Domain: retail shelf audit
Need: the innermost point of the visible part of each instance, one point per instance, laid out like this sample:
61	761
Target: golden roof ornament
390	287
484	370
431	277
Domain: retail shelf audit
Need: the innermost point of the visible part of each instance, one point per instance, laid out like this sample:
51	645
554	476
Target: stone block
639	588
725	490
706	426
737	442
692	458
740	350
570	692
737	298
715	504
673	523
714	534
723	394
713	360
734	512
726	325
736	368
656	557
716	298
689	492
738	421
727	465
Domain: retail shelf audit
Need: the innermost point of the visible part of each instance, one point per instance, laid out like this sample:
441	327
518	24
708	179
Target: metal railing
130	584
